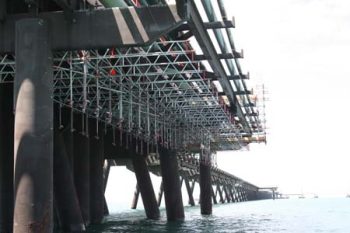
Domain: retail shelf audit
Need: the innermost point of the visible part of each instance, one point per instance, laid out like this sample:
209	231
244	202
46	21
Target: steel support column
244	190
171	184
213	195
66	199
227	194
2	10
232	194
236	193
242	193
245	195
146	188
67	134
222	200
160	194
96	172
6	156
190	193
205	183
106	168
81	168
33	150
135	199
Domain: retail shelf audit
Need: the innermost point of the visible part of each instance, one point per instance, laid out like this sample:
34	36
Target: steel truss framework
159	93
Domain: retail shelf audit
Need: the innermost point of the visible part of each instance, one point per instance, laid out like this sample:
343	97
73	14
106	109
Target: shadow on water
321	215
134	221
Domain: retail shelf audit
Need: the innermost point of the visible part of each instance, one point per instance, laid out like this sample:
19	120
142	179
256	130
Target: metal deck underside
160	91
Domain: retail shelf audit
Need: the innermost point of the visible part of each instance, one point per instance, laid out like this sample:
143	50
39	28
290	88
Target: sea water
284	215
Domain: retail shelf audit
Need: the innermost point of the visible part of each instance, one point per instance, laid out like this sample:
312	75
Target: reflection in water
299	215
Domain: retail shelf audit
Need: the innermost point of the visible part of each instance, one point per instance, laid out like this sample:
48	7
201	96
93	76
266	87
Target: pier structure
86	83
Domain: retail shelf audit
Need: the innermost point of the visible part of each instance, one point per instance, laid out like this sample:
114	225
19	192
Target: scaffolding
160	93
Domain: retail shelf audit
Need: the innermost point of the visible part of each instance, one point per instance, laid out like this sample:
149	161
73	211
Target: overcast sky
300	49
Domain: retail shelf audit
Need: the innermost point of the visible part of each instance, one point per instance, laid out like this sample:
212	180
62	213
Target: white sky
300	50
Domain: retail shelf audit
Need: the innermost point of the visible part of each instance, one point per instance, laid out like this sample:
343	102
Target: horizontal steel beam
97	29
212	76
220	56
237	93
210	25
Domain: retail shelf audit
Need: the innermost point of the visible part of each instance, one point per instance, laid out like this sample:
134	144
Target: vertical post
106	168
33	150
135	199
227	195
6	156
81	166
245	197
146	188
243	194
67	134
213	194
220	193
66	200
236	193
171	184
96	172
160	194
232	193
243	190
189	192
193	185
2	10
205	182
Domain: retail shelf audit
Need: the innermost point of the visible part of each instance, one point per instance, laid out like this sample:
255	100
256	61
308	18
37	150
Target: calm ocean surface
288	215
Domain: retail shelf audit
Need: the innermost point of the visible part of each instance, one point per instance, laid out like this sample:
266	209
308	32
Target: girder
100	28
157	92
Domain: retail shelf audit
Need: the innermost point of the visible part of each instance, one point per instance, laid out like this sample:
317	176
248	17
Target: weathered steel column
6	157
144	183
33	148
246	195
2	10
205	182
171	184
227	195
67	119
213	195
236	193
160	194
229	191
66	199
218	189
106	169
81	165
189	192
135	199
239	193
97	188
